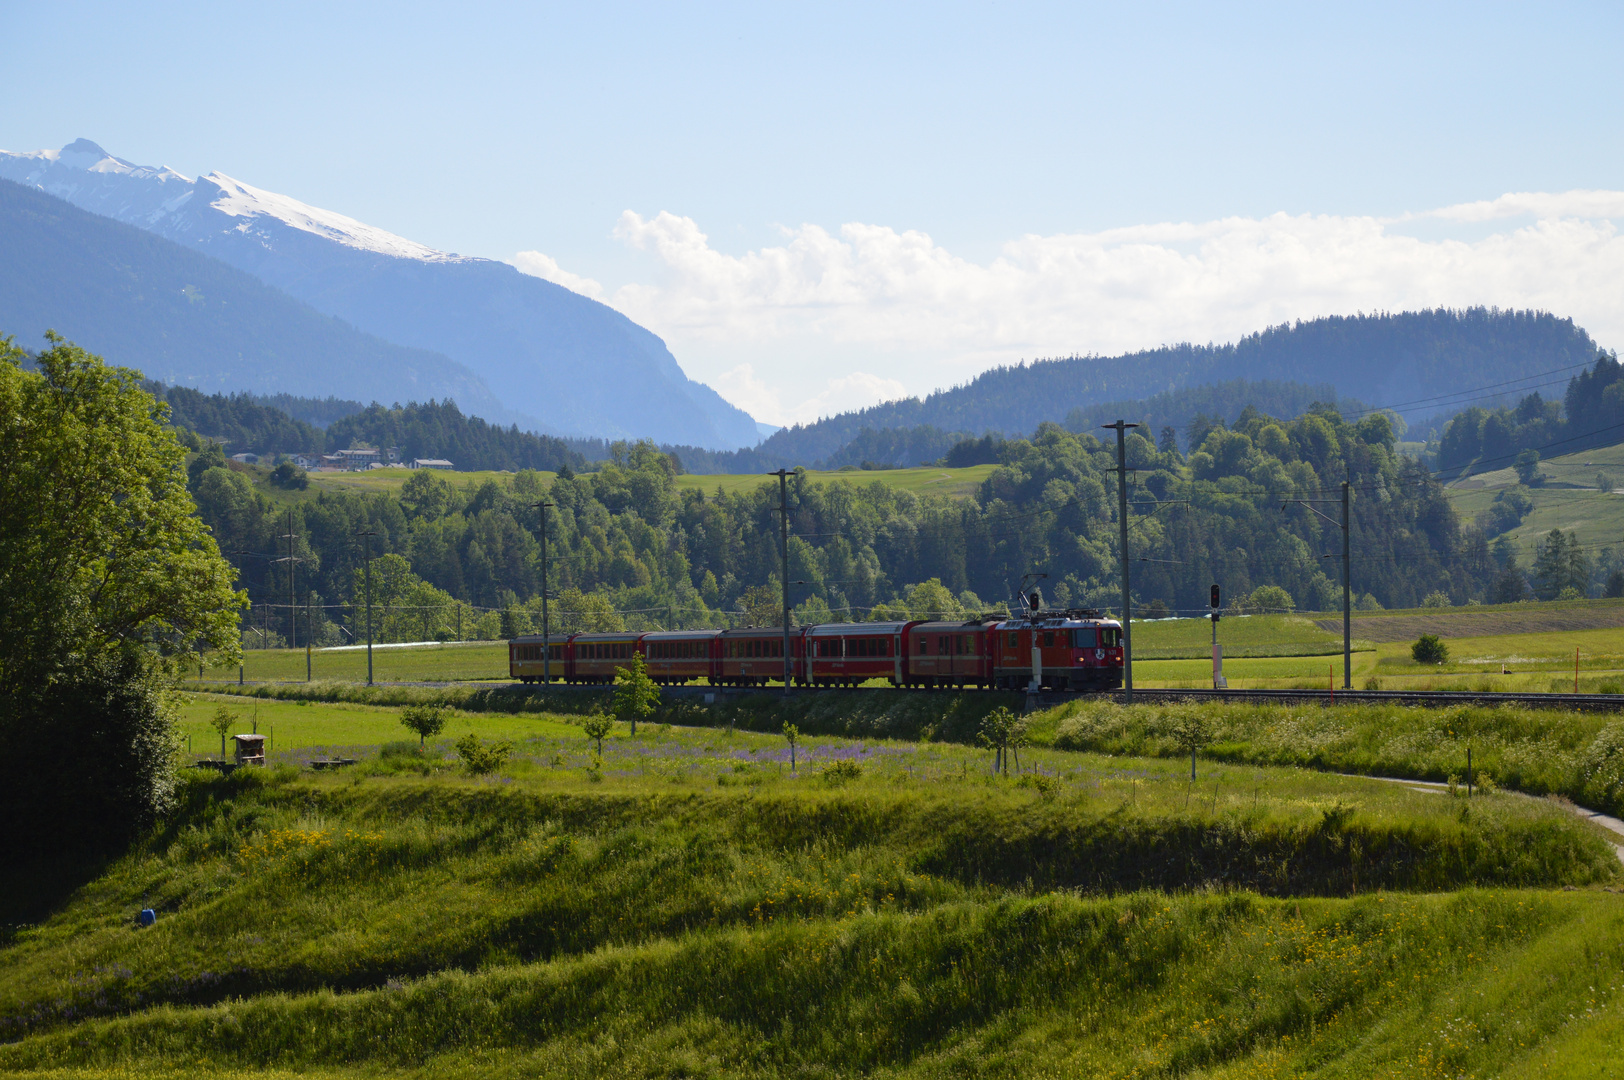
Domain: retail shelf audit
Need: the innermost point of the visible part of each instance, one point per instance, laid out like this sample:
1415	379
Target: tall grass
1142	985
276	883
1575	754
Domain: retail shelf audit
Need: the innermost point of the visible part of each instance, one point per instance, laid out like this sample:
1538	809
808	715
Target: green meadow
920	481
690	902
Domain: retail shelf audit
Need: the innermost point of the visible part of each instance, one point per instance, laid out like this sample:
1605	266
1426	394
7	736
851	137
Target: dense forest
628	547
438	429
1590	414
289	425
1385	359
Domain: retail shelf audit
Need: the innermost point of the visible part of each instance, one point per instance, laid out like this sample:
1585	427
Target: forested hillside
626	540
1383	359
239	422
438	429
1590	414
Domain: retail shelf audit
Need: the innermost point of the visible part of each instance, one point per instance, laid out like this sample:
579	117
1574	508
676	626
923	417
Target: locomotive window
1048	639
1014	641
1110	636
1083	637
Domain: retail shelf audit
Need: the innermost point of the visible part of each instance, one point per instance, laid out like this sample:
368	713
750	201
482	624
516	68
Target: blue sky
820	205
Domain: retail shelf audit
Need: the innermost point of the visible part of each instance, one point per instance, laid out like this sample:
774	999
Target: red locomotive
1056	650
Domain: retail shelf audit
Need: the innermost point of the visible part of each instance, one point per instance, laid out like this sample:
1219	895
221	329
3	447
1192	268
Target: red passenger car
527	660
595	657
848	654
755	656
679	656
948	654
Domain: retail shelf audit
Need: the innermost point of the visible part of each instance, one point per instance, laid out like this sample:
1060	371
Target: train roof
673	635
942	625
1055	619
617	635
844	629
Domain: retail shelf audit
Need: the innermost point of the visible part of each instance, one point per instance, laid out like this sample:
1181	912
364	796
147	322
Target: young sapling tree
636	694
792	735
596	726
224	720
425	720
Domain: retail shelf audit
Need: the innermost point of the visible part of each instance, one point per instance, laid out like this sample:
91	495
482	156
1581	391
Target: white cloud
545	266
833	308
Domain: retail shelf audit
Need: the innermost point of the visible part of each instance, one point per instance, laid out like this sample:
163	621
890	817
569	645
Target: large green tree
109	585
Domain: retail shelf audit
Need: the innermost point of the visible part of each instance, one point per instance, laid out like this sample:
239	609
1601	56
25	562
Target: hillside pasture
883	906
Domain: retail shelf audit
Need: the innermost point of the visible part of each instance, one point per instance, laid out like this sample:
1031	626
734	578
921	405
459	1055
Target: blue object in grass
147	917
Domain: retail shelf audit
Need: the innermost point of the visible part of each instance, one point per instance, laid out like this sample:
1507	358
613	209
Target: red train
1060	650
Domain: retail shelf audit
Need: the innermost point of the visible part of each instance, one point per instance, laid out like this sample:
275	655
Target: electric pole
1347	602
546	632
783	550
1121	430
293	607
1347	597
366	538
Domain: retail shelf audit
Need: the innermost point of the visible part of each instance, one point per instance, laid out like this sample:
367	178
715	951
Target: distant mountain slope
578	365
1191	412
1381	359
183	318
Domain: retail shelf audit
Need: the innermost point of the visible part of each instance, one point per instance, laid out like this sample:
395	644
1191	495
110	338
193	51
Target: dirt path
1434	787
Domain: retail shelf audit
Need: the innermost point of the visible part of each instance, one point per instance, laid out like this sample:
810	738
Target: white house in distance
246	459
431	463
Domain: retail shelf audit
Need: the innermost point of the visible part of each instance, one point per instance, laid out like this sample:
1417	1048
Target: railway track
1046	698
1431	698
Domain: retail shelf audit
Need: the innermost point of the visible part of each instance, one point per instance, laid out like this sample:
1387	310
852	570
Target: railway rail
1431	698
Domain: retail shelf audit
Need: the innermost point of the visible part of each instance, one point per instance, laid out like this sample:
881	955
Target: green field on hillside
921	481
689	905
390	481
476	661
1569	500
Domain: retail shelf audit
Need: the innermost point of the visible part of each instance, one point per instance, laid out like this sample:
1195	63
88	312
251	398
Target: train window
964	645
1014	641
1110	636
1083	637
885	646
1048	639
924	648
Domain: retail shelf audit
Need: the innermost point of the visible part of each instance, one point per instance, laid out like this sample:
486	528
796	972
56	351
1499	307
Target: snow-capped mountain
578	366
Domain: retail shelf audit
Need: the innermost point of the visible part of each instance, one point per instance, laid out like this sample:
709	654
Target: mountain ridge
179	316
577	365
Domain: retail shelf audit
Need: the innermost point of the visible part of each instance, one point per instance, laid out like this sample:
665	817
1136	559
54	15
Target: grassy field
920	481
1247	635
690	905
474	661
390	481
1575	755
1569	499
